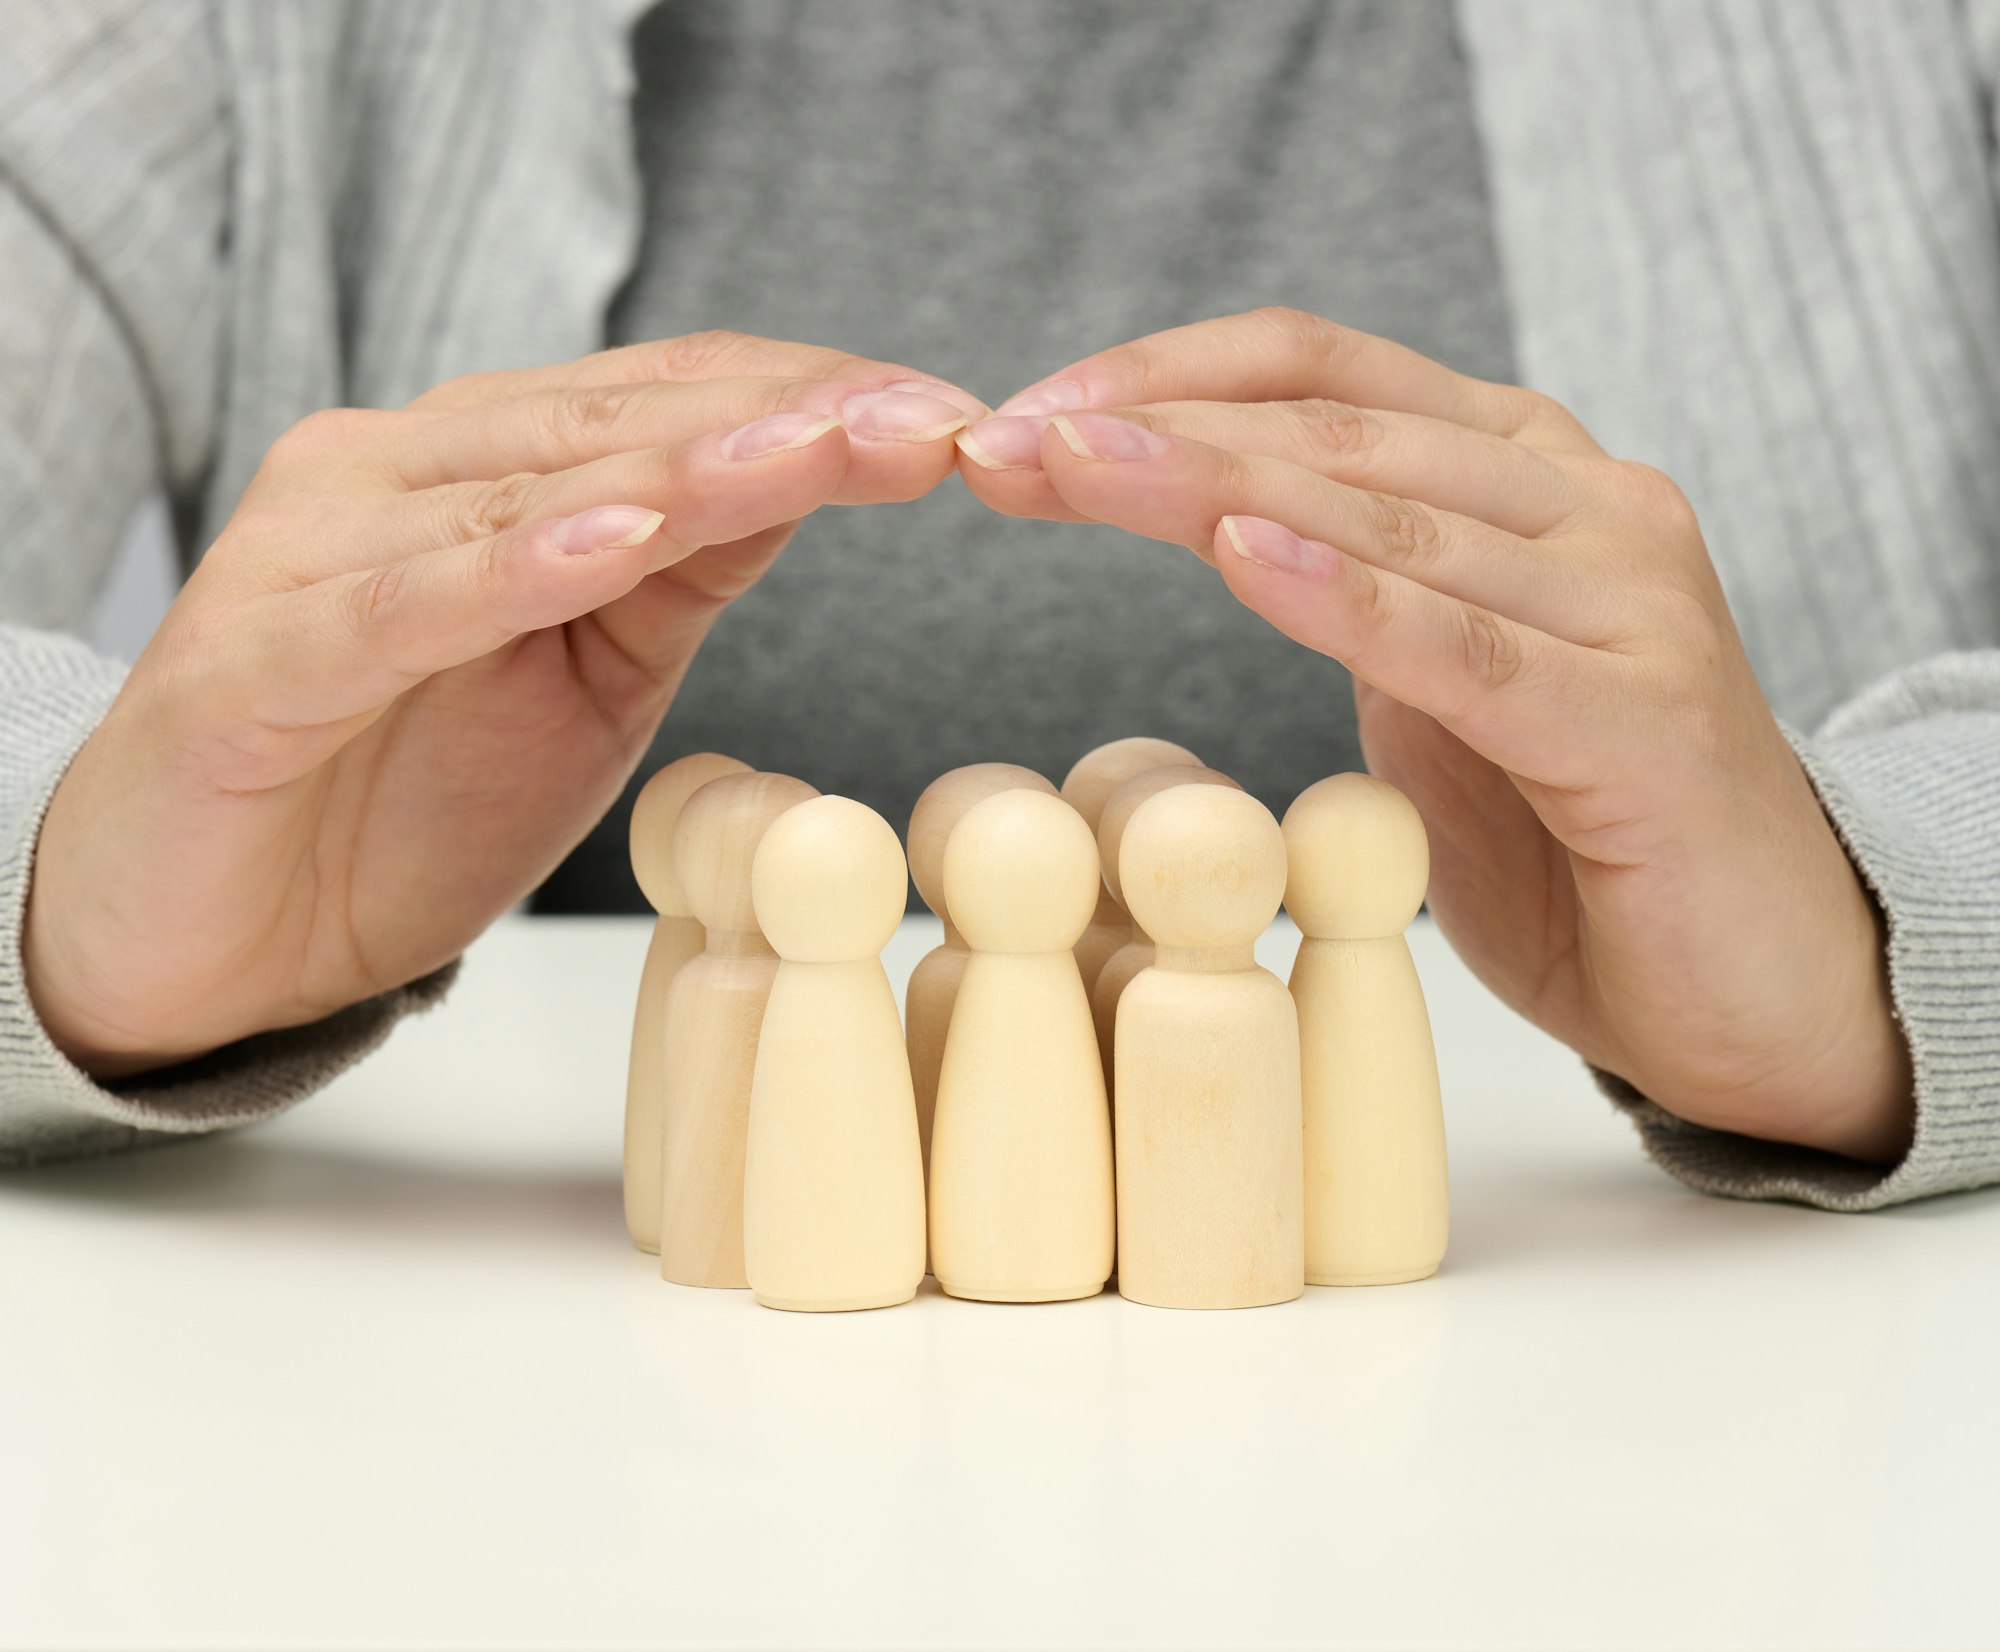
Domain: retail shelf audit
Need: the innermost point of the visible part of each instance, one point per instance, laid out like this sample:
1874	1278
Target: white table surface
386	1373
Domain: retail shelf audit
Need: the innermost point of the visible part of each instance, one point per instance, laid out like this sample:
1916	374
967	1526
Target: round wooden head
1202	866
716	839
1020	874
1097	774
655	813
943	805
829	882
1360	859
1124	803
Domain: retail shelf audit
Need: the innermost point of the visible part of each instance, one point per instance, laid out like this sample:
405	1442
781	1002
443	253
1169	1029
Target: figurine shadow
245	1177
1504	1220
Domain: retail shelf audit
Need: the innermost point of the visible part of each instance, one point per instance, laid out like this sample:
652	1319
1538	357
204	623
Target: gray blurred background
987	194
142	584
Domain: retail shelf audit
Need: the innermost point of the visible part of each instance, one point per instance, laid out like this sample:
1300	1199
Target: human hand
415	667
1624	846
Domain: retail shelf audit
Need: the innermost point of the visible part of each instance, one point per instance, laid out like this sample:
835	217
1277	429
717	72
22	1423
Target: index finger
1282	355
691	358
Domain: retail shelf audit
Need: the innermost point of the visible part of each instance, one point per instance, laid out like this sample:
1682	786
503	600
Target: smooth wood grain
1119	972
675	942
1087	788
1021	1174
1123	966
1377	1205
928	1002
1377	1180
933	987
677	937
1110	927
833	1201
714	1010
1211	1181
1211	1190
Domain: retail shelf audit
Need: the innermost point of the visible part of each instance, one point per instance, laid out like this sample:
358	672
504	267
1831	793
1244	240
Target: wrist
89	1041
85	976
1855	1089
87	1024
1868	1110
1801	1043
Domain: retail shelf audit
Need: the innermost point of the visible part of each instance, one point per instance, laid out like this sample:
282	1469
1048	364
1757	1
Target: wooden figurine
1377	1201
1124	965
833	1194
677	937
714	1011
934	982
1211	1184
1021	1177
1087	788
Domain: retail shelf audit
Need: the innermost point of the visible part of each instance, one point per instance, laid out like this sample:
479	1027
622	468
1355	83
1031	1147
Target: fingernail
1057	396
899	416
1099	436
964	400
1272	545
1004	443
780	433
605	528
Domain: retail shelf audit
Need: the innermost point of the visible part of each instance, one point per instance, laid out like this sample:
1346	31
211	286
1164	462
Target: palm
382	863
1608	956
462	798
418	663
1503	889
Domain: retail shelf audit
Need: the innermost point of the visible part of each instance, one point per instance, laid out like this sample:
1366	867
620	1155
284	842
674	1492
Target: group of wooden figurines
1096	981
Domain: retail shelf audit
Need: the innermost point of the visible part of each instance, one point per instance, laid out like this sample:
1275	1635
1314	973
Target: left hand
1624	846
420	659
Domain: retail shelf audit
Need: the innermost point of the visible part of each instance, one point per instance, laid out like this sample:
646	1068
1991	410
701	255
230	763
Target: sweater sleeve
113	225
52	693
1909	774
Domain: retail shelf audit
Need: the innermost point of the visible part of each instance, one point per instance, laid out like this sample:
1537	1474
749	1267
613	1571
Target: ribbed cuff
1909	775
53	693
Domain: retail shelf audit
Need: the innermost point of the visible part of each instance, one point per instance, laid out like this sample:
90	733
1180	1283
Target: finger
1467	803
1281	355
652	631
1170	488
691	358
556	429
878	472
559	430
1447	465
1000	462
348	644
1539	707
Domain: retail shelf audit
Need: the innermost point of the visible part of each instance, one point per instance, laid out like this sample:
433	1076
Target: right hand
416	666
1624	845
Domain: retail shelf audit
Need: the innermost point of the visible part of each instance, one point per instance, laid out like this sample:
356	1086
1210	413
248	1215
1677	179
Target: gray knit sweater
1756	244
